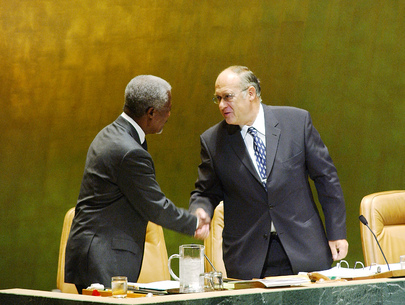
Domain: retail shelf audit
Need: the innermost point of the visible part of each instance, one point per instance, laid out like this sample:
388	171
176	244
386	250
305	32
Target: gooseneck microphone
365	222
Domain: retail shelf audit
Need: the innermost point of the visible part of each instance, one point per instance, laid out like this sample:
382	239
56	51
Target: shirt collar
258	124
138	128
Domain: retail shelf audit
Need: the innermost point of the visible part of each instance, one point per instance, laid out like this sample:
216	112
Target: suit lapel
272	138
239	147
130	129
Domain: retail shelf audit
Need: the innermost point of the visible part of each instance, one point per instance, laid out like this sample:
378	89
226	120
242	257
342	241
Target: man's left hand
339	248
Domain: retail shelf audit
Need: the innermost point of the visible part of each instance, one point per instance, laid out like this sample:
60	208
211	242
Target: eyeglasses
227	97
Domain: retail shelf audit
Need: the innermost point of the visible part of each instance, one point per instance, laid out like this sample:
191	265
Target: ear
150	112
251	91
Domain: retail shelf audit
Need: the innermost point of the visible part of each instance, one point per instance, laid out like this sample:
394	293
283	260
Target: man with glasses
258	161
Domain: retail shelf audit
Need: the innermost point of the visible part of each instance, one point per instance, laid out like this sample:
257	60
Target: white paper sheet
161	285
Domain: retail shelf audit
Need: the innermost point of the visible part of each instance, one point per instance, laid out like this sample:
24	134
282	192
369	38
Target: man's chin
230	121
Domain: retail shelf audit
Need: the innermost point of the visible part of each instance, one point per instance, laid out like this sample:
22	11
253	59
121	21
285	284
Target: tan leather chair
154	266
213	243
60	278
385	213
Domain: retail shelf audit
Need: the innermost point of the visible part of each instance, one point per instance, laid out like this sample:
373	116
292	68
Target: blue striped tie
260	153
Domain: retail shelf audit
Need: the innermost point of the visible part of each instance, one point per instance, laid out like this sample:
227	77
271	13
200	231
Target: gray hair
144	92
247	78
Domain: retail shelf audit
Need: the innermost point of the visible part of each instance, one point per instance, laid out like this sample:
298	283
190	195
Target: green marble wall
64	66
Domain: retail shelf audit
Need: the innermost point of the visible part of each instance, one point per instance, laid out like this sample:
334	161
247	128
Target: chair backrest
60	277
154	265
213	243
385	213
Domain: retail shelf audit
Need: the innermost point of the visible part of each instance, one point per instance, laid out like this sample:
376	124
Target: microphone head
363	220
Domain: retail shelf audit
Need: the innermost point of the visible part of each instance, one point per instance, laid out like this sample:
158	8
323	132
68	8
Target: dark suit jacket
294	152
118	196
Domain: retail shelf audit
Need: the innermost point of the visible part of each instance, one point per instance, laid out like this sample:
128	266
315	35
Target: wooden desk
107	293
375	291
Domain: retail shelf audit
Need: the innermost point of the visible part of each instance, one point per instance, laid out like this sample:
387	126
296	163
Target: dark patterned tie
260	153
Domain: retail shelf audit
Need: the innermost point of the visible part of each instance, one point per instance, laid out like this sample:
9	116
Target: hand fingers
339	249
203	216
203	232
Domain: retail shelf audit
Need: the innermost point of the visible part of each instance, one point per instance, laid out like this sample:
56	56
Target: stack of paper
161	287
375	271
275	281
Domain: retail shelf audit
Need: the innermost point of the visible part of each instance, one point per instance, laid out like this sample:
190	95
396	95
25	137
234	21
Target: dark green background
64	66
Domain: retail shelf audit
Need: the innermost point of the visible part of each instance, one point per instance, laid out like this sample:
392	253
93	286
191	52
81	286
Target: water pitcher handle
169	264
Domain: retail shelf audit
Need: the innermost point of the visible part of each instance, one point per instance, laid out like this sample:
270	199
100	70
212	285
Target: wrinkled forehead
227	82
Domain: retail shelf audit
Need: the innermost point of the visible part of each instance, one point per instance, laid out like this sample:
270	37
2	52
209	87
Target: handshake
204	221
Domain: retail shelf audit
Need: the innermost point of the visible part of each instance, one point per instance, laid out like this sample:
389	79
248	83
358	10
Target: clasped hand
203	224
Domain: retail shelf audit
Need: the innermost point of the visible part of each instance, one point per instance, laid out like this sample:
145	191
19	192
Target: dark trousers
277	262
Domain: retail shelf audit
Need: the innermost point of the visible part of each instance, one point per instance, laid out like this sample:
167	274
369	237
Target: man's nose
222	104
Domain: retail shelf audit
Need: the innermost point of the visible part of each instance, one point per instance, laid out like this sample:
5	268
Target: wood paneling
64	66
